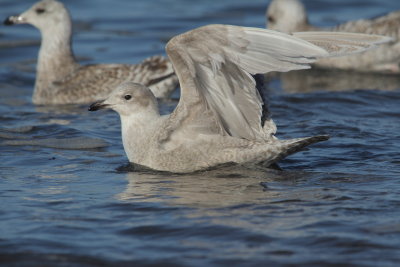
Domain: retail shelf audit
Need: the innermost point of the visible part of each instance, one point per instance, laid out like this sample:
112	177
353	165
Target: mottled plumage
91	82
290	16
221	117
61	80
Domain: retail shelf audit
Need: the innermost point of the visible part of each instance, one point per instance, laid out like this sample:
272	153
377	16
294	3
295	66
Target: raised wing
214	63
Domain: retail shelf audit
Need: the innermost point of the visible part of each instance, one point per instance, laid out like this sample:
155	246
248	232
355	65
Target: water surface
63	202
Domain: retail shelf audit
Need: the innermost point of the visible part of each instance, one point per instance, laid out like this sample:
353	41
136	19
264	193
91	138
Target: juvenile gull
61	80
290	16
220	117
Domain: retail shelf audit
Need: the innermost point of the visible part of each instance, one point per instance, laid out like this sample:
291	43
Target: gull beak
98	105
11	20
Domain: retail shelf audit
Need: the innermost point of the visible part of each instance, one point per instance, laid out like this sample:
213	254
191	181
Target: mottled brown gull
290	16
61	80
220	117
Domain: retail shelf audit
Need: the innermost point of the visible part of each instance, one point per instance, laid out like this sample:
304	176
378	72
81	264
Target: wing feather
214	63
343	43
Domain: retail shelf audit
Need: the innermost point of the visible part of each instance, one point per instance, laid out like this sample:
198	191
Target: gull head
286	15
43	15
129	99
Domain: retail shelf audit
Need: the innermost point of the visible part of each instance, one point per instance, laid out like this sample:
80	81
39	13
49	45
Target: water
63	202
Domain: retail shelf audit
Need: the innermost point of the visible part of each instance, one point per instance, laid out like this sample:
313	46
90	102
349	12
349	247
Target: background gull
290	16
220	117
61	80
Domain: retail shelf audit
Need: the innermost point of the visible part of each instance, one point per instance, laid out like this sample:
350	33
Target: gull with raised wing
290	16
60	79
221	116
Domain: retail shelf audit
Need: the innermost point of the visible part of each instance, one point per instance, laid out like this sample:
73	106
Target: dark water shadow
306	81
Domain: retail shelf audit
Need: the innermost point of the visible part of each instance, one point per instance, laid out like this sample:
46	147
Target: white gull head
129	99
48	16
286	16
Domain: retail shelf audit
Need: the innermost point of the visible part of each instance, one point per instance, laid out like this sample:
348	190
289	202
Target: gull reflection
228	186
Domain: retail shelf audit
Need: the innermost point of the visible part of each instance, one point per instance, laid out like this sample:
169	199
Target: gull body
221	116
60	79
290	16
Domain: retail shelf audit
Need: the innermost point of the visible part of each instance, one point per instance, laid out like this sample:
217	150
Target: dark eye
127	97
271	19
40	10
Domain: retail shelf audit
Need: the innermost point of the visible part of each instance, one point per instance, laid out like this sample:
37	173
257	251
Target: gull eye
127	97
40	10
271	19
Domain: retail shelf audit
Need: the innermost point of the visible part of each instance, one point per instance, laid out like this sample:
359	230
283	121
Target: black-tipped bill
97	105
9	21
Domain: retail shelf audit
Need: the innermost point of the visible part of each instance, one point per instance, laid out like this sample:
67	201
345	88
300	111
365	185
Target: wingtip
385	39
343	43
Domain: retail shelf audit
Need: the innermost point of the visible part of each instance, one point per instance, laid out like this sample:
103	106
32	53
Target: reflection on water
234	185
311	80
216	188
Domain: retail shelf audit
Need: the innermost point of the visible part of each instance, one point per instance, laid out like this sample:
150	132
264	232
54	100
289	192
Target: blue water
64	203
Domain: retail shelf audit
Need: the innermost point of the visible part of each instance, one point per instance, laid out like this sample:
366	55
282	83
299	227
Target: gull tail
291	146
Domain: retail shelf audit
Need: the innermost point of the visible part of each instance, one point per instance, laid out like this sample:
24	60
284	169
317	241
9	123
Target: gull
221	117
60	79
290	16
